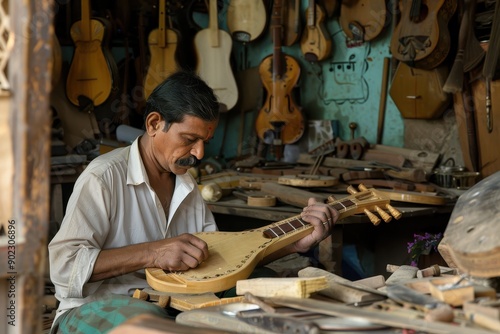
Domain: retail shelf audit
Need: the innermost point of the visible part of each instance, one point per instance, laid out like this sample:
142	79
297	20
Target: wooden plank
291	195
418	158
338	291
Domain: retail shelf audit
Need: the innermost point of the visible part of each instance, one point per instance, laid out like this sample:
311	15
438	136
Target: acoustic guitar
316	42
421	37
280	120
234	255
162	44
246	19
213	48
90	78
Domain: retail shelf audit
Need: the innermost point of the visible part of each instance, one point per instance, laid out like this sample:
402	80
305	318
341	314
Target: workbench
379	245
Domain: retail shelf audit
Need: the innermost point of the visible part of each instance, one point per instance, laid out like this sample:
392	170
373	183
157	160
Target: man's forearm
119	261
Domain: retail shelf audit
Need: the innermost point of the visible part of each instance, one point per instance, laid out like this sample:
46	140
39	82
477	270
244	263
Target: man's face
181	141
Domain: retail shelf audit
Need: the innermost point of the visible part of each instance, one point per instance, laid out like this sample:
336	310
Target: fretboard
297	223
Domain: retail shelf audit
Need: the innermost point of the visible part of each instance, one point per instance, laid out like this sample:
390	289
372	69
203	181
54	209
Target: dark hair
183	93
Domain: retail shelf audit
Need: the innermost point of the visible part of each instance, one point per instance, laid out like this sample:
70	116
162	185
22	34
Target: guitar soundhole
241	36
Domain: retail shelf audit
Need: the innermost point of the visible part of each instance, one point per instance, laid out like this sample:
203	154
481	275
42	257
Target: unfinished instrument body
90	74
162	44
213	49
234	255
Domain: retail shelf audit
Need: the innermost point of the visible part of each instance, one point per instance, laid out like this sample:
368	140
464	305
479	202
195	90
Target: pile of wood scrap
432	300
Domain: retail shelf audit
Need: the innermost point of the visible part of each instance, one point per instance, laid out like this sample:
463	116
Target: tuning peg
362	187
374	219
385	216
351	190
394	212
330	199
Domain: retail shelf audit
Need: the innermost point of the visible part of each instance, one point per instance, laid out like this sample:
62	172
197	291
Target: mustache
190	161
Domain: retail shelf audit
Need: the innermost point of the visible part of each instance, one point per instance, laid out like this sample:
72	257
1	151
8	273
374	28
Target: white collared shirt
113	205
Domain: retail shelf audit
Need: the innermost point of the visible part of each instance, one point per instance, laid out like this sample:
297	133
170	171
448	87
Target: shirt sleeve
74	249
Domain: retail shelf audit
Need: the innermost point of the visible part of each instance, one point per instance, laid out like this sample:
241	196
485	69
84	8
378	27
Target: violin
280	120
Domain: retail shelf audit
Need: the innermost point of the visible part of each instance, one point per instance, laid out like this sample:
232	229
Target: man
136	207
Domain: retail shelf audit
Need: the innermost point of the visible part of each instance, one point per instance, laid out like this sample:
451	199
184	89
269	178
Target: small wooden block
298	287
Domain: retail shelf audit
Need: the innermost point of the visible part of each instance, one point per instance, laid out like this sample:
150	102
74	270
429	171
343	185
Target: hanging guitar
246	19
162	44
280	120
291	24
225	266
316	42
90	79
362	20
213	48
421	37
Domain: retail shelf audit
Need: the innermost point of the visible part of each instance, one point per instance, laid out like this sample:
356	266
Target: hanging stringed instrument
291	24
362	20
421	37
213	48
316	42
162	44
90	78
227	264
280	119
246	19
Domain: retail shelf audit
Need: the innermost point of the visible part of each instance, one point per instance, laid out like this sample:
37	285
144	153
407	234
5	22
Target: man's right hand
179	253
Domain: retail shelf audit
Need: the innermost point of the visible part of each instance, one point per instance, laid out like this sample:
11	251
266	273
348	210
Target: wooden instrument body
213	49
316	42
369	14
234	255
163	59
246	19
89	74
471	236
279	104
418	93
423	41
280	118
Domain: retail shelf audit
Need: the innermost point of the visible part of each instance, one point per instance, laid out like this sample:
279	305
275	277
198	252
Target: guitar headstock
365	200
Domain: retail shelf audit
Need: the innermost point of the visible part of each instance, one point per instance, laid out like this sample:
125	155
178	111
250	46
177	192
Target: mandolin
421	37
213	48
316	42
234	255
280	120
90	77
246	19
162	44
362	20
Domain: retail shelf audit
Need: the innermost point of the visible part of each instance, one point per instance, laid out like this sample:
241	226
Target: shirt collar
136	173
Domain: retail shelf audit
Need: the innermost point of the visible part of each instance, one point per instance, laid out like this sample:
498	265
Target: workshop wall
345	87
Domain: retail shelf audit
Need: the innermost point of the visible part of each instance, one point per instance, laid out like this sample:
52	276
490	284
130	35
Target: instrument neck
277	31
213	24
162	42
85	24
311	14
